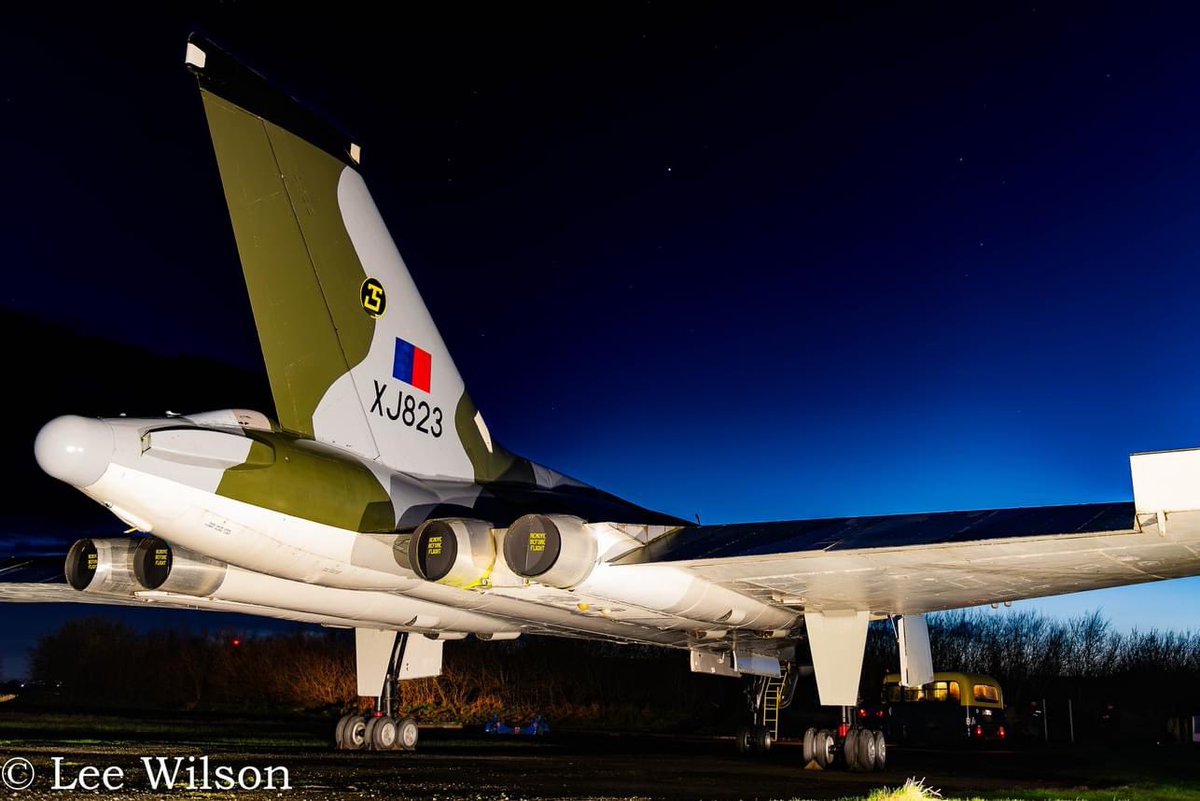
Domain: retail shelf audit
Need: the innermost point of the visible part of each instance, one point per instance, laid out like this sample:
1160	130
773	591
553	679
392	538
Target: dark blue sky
745	265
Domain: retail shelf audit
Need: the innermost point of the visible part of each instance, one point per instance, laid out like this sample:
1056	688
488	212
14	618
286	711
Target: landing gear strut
383	729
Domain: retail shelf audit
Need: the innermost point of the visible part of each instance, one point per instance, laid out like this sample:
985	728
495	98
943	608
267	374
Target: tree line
1025	646
97	663
1112	682
100	663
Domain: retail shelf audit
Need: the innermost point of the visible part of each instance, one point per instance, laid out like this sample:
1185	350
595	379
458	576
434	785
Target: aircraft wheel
354	733
340	731
824	748
744	740
810	738
880	751
763	739
866	751
407	734
369	733
850	748
383	734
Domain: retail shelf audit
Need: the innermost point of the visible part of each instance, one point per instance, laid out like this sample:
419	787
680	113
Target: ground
464	765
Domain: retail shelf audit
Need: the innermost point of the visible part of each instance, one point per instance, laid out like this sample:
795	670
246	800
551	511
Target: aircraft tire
407	735
810	738
850	749
744	739
383	734
880	751
824	748
762	739
866	751
369	733
340	731
354	733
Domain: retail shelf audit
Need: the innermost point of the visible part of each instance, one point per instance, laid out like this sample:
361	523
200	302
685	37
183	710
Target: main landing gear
850	746
383	729
847	746
859	750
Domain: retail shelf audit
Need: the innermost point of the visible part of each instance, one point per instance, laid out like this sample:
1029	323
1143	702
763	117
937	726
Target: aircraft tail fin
353	356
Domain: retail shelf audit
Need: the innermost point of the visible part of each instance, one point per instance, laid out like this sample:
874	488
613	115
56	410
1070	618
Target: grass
911	790
1137	792
917	790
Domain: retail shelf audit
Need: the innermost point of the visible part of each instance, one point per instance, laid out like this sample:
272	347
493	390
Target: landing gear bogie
376	733
860	750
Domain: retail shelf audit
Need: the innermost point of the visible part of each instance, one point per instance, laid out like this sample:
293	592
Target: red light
1001	733
843	730
862	713
236	643
978	731
879	713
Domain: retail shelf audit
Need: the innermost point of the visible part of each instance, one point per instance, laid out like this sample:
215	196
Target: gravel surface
452	766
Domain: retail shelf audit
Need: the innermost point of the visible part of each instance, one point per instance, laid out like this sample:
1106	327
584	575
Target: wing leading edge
885	531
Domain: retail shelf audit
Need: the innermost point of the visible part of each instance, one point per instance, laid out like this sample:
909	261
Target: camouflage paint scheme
305	280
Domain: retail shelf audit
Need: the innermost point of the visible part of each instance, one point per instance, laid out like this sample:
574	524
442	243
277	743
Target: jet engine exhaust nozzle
102	566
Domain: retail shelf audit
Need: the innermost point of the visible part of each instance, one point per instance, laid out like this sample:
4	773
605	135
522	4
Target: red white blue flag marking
412	365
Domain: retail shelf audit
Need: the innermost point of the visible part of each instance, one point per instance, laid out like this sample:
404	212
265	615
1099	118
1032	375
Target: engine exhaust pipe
102	566
158	565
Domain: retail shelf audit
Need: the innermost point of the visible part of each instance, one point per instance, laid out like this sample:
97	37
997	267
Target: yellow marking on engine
484	581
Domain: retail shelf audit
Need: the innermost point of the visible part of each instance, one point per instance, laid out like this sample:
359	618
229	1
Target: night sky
717	259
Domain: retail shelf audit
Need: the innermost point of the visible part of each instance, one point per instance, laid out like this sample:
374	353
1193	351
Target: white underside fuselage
289	562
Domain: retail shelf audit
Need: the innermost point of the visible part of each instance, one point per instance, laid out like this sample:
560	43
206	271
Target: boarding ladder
775	693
